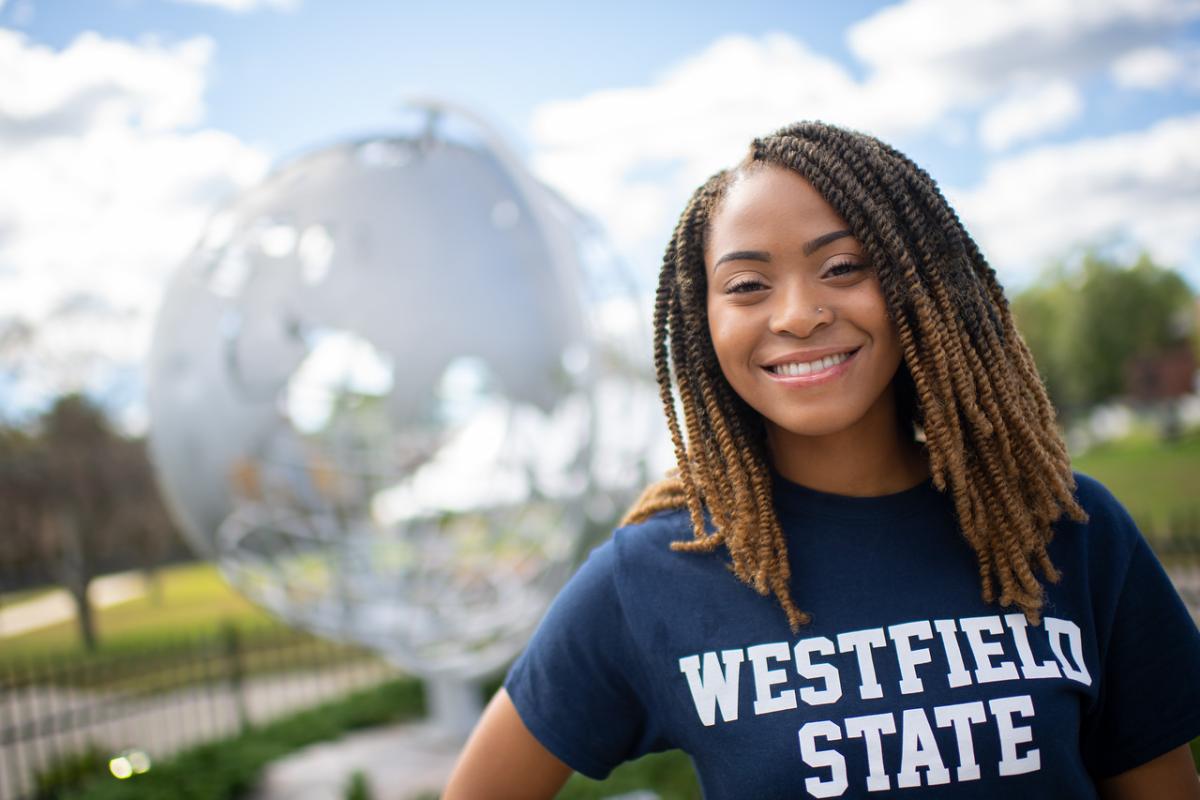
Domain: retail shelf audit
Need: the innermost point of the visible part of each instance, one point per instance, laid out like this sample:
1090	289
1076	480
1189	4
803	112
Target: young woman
925	600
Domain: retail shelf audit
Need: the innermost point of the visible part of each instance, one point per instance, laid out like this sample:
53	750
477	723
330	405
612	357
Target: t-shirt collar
801	499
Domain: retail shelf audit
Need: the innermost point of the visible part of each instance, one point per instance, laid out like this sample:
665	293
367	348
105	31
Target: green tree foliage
1085	323
78	499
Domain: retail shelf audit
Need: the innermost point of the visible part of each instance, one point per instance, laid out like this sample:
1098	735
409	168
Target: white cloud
985	44
965	55
244	6
1139	188
1029	112
1157	68
630	156
1146	68
104	187
98	83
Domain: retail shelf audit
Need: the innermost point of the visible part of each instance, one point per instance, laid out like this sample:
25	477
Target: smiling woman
924	595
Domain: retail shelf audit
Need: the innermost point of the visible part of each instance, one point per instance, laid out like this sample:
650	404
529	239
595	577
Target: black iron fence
161	700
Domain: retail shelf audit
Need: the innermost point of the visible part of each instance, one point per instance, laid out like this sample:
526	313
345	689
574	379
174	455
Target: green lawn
195	599
1159	482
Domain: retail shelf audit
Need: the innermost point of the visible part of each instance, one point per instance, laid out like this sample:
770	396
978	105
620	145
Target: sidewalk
57	606
400	762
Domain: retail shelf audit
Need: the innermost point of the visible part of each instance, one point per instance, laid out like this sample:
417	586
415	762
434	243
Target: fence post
9	736
233	652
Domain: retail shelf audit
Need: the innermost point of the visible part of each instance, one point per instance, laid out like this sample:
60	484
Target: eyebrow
819	242
761	255
744	255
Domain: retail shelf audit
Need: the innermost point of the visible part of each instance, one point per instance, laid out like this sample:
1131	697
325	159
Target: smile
817	369
808	367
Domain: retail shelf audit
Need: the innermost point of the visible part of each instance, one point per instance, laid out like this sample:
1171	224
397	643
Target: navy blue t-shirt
905	682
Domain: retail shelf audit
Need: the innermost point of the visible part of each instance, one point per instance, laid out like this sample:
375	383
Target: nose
799	311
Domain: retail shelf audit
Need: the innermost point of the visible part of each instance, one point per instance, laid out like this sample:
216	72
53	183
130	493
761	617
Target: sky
1052	125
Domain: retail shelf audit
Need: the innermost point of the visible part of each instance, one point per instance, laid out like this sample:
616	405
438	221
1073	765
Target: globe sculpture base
454	706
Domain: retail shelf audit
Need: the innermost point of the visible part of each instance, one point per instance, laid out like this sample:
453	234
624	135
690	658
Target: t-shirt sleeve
1149	700
577	686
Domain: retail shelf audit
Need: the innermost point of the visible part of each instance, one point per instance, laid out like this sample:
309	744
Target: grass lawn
1159	482
194	599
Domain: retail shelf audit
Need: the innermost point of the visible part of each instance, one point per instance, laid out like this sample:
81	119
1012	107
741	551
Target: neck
871	458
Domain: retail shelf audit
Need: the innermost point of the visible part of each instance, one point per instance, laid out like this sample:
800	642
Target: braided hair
967	380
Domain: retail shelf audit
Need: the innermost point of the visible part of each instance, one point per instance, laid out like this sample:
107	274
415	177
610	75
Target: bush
358	789
70	772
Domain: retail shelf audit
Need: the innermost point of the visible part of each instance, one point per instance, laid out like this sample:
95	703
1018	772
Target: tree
22	484
1086	324
1046	317
79	500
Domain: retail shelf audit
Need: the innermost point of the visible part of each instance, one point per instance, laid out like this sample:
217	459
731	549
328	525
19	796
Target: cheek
719	332
890	336
871	314
870	310
891	354
732	341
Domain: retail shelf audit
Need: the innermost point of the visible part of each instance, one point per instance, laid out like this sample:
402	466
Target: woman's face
776	252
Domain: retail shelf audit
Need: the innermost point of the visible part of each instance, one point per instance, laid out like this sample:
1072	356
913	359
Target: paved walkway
57	606
400	762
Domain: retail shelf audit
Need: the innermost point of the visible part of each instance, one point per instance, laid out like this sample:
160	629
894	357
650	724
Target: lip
811	355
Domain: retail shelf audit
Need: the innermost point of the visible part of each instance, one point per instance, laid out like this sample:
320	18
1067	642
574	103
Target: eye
841	269
744	285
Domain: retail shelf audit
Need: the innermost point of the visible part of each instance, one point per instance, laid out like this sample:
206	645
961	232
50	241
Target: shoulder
640	557
631	549
1107	517
1105	544
653	534
1094	496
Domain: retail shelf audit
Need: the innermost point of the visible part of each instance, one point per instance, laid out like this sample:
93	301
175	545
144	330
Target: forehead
770	205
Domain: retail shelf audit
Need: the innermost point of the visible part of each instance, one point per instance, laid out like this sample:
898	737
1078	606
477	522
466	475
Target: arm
1171	776
503	760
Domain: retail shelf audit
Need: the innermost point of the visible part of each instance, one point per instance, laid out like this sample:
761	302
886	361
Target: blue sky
289	79
1051	125
290	76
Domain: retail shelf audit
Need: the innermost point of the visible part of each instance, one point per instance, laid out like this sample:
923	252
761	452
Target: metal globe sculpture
390	393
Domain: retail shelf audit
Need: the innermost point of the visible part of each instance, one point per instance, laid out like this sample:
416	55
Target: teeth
798	369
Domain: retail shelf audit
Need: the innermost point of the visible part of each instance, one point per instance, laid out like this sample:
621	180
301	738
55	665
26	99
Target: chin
814	426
